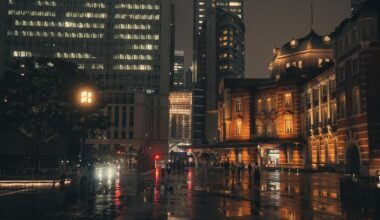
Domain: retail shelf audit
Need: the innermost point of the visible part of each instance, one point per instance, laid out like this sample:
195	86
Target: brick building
318	120
356	56
263	117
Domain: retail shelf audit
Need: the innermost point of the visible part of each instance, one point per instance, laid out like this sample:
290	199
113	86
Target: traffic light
157	157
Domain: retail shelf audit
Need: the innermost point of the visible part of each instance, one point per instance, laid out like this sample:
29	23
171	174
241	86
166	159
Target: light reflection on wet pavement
197	194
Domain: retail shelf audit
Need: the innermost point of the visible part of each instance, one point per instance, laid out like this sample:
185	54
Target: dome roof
311	41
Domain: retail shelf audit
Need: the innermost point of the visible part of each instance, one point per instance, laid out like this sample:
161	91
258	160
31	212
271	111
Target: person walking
257	175
168	168
249	169
238	165
163	169
233	169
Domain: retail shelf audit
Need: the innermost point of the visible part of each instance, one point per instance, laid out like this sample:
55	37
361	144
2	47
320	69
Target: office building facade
181	80
124	45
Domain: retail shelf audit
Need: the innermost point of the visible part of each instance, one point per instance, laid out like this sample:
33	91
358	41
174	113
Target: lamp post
86	101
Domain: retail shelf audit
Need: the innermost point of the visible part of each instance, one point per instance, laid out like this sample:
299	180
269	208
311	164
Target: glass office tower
123	44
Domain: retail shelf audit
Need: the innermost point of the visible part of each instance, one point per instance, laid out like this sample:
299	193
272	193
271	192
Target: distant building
312	113
304	56
188	79
200	10
179	70
219	53
260	120
126	47
180	120
181	79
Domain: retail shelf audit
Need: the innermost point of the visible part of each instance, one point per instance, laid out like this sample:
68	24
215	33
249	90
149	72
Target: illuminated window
269	128
137	16
85	15
320	62
259	106
22	54
326	39
235	4
300	64
138	6
288	119
46	3
238	127
238	107
94	5
356	100
324	115
288	65
293	43
269	104
288	100
342	106
259	128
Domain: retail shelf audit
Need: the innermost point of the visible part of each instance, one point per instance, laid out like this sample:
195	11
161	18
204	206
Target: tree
39	100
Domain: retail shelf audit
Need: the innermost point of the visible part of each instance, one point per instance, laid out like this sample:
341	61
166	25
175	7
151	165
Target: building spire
311	15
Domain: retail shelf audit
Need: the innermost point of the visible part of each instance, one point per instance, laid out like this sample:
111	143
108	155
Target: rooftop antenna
312	15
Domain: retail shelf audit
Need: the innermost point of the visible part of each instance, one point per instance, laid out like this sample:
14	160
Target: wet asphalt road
195	194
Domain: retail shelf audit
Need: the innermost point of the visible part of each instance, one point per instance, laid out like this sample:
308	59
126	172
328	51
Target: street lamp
86	100
86	97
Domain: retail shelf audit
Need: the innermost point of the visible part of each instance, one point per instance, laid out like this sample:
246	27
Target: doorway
353	160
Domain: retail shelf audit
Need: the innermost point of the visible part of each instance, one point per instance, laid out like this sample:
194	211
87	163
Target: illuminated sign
273	151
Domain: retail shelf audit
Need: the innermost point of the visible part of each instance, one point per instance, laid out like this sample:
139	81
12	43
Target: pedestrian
249	169
257	175
233	170
168	168
163	169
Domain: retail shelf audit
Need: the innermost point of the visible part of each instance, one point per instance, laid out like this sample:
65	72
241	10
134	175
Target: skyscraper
200	8
124	45
218	53
179	70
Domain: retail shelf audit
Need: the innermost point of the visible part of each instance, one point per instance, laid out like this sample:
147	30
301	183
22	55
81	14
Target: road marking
15	192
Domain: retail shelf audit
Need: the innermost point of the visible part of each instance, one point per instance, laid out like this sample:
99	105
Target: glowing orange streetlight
86	97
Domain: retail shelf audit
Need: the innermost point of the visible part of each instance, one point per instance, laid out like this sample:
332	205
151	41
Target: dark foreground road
195	194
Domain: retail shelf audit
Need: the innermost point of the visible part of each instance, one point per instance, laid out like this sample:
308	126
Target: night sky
268	23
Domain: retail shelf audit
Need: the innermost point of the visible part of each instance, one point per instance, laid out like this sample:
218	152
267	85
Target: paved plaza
191	194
